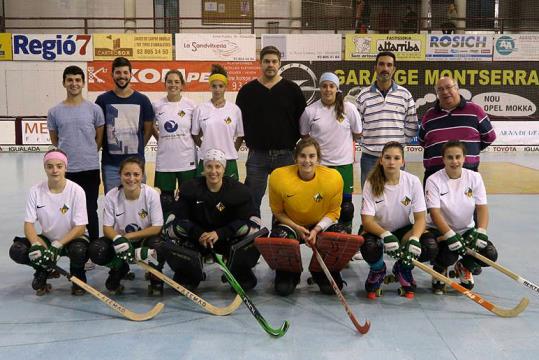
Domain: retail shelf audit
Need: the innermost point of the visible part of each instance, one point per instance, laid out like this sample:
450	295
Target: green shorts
347	174
166	181
231	169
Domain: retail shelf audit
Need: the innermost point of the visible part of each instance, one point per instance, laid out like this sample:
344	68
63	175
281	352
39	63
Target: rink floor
451	326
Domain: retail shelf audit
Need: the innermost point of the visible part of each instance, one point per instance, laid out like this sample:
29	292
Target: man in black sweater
271	107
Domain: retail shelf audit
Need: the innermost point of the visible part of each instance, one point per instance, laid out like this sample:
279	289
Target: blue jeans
259	165
367	163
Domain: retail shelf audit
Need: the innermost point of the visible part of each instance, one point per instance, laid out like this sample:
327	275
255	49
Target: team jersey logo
64	209
468	192
228	120
220	206
143	213
132	228
181	113
171	126
318	197
406	201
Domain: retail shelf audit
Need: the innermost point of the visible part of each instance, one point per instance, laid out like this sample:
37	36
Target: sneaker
438	287
465	276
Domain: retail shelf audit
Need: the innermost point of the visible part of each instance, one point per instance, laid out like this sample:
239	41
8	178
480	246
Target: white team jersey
56	214
220	126
334	136
456	198
394	209
175	148
127	216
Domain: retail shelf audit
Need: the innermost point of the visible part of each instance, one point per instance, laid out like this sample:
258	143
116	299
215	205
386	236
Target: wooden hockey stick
220	311
504	270
478	299
111	303
363	329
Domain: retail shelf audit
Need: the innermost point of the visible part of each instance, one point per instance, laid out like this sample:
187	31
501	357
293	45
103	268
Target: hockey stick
237	287
220	311
108	301
504	270
363	329
478	299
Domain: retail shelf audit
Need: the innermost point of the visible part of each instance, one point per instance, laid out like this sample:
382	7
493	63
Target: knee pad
429	247
101	251
338	228
77	250
347	212
18	251
177	229
489	252
372	249
283	231
445	256
167	202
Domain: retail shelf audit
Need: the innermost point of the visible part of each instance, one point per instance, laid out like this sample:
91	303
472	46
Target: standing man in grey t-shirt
76	126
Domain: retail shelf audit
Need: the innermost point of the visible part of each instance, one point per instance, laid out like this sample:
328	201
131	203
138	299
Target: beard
122	86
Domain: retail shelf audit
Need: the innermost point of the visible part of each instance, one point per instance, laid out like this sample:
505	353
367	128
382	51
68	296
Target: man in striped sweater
388	113
453	118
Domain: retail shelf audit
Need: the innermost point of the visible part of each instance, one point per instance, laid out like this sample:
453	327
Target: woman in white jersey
392	197
58	205
132	219
217	124
335	124
176	151
453	194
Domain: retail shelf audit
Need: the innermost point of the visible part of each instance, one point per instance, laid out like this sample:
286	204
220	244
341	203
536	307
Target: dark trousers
89	181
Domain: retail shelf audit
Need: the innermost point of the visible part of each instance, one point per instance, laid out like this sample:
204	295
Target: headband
215	155
221	77
329	76
55	155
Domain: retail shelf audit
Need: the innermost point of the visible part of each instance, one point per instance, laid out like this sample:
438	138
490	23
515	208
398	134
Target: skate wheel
371	295
409	295
129	276
389	279
310	281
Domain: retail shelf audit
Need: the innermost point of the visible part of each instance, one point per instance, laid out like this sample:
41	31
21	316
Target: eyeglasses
440	90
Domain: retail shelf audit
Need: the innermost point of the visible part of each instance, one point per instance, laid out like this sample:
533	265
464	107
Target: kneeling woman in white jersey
391	197
335	124
176	152
218	124
453	194
132	219
58	206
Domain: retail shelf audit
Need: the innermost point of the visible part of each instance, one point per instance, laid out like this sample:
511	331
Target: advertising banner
516	47
5	47
364	47
35	132
459	47
150	75
52	47
216	47
305	47
133	46
7	131
506	91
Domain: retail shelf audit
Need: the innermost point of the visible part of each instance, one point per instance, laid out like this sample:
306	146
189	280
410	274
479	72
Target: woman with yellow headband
217	124
58	205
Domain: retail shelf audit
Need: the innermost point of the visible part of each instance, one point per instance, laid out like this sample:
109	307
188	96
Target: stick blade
522	305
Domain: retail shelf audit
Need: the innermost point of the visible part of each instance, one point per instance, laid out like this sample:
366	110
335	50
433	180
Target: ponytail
339	105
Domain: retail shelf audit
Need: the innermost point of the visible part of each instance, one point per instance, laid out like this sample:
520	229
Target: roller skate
75	289
439	287
39	284
374	282
113	283
464	275
155	287
405	278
